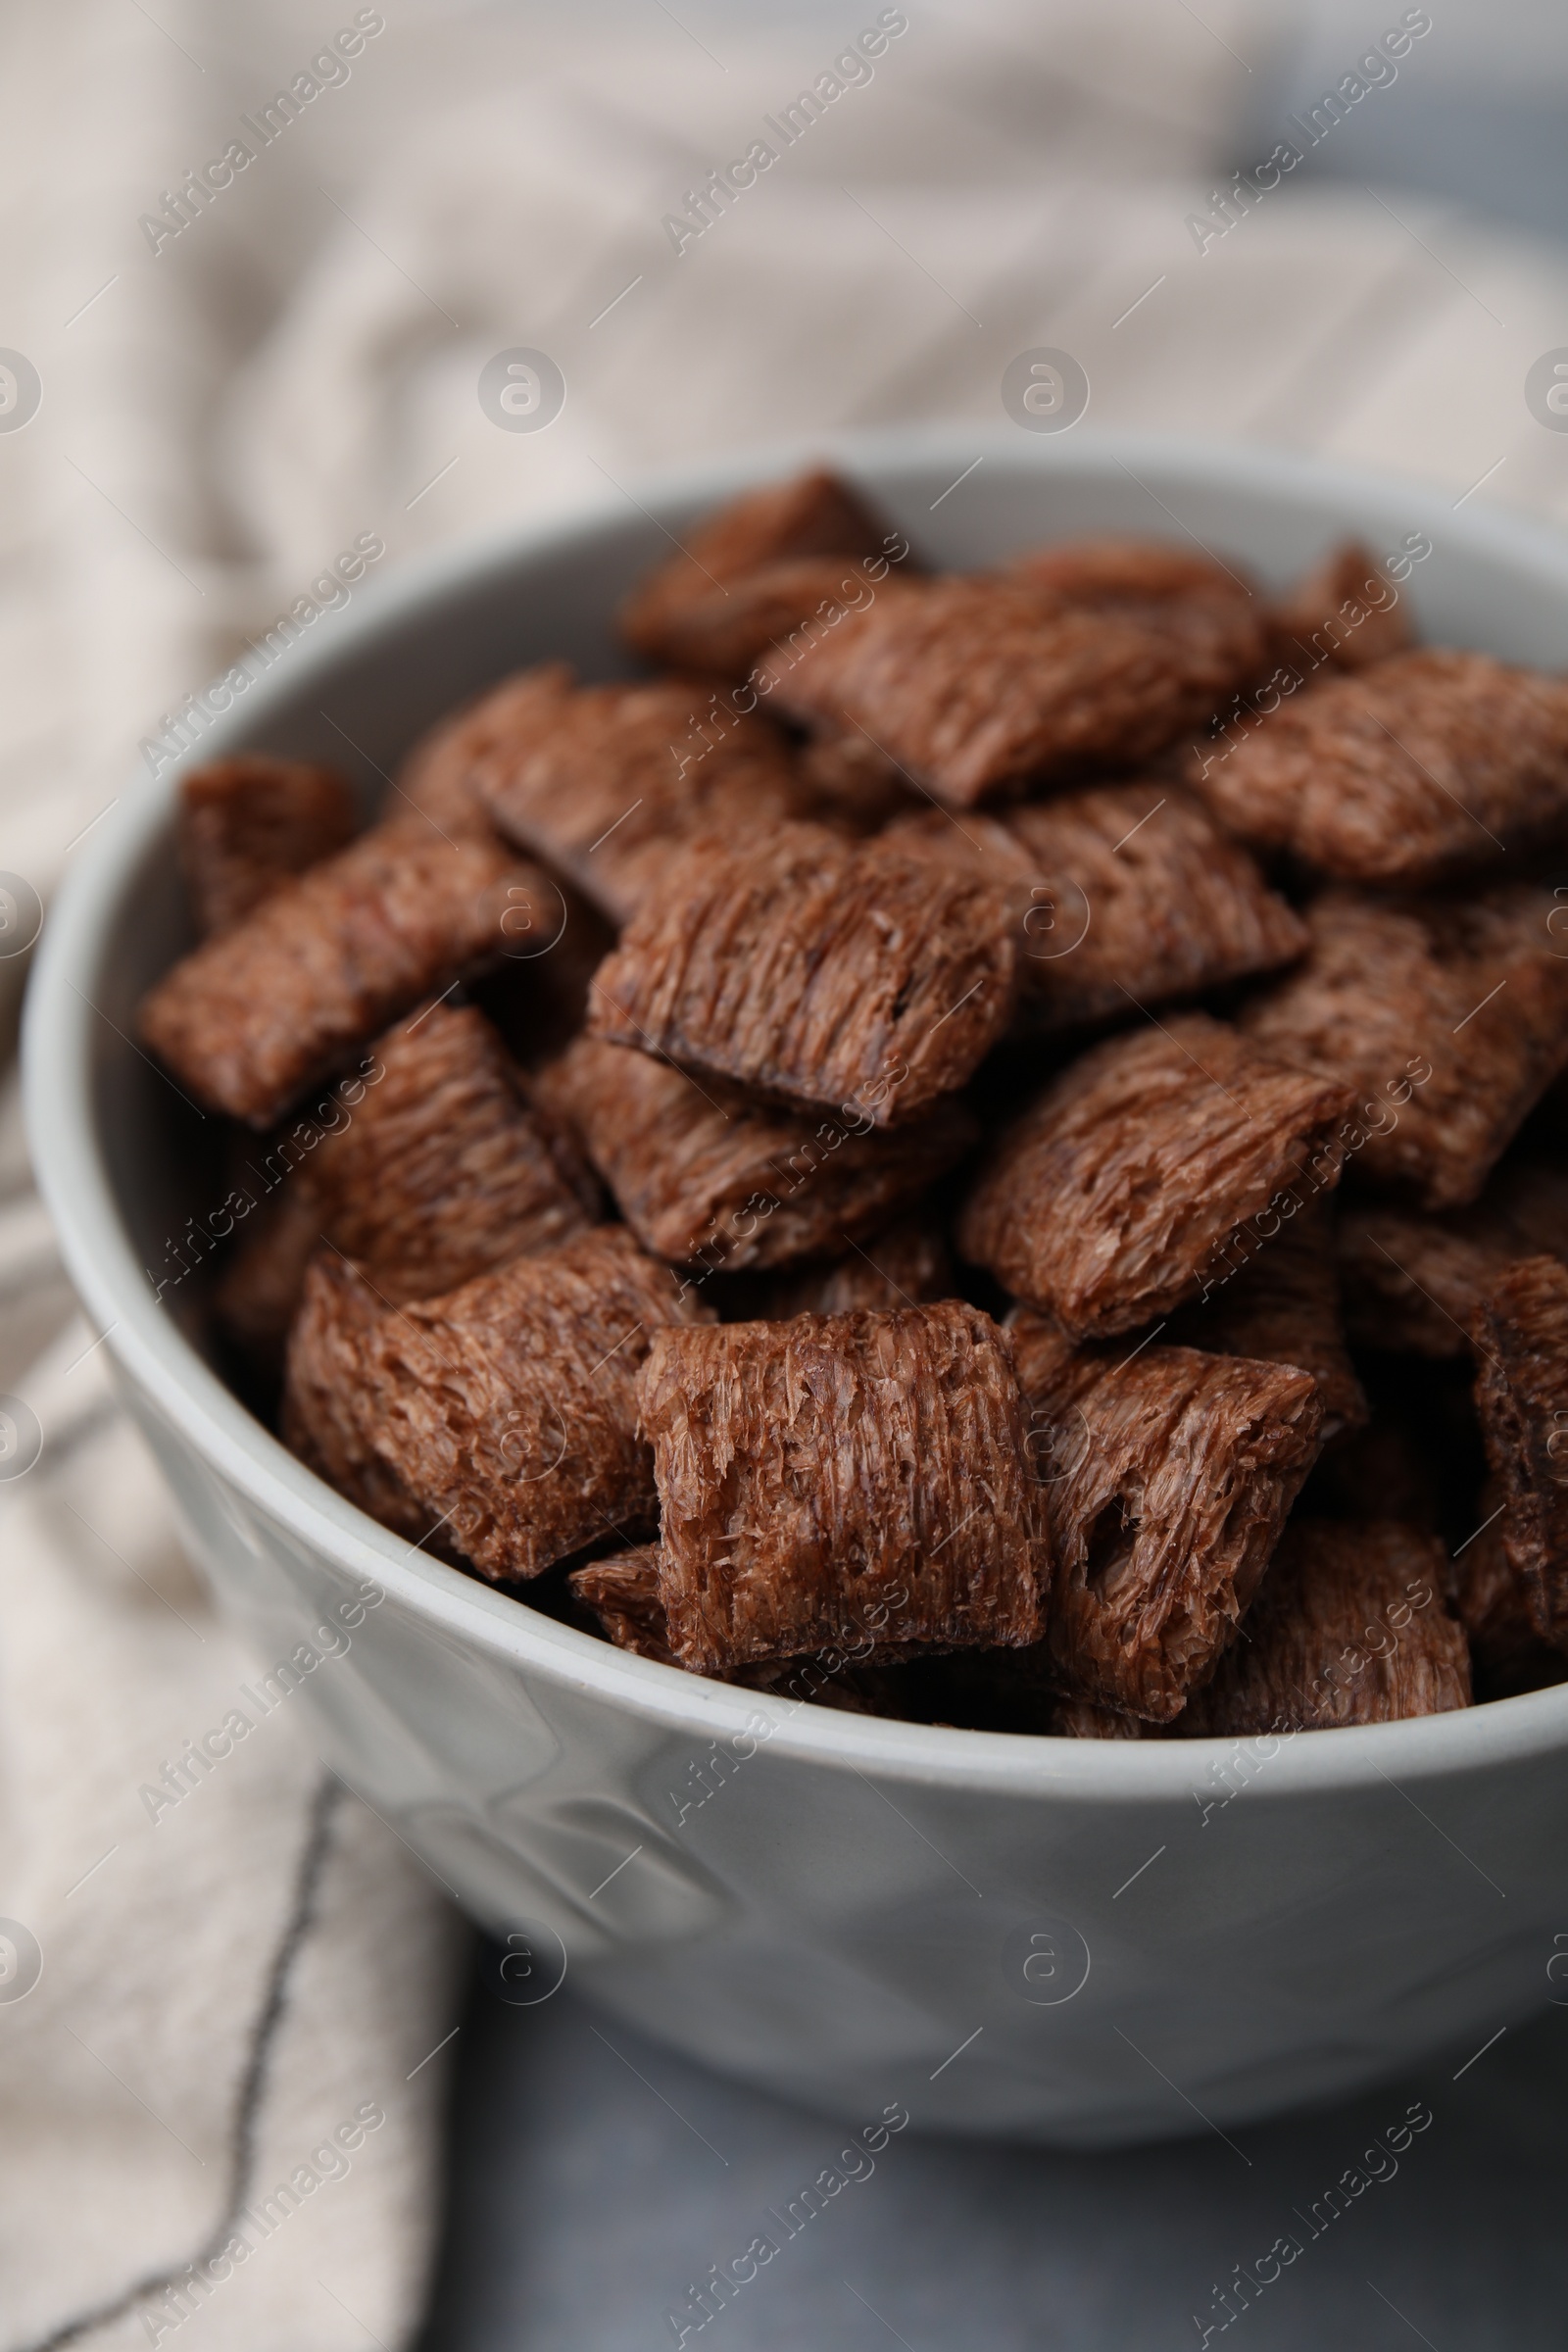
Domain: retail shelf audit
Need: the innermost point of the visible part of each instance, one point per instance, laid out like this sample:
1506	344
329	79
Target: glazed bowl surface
1076	1941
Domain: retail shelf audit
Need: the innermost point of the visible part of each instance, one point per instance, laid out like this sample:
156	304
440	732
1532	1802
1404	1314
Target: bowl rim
152	1353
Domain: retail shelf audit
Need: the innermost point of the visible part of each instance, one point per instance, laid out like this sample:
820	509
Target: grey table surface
595	2178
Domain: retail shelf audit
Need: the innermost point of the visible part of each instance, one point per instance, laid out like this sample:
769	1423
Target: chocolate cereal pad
1493	1602
602	782
324	1418
261	1012
976	686
1119	895
1115	1195
258	1292
432	1165
435	777
1448	1015
815	971
247	824
1166	1475
623	1594
443	1171
813	1470
725	634
717	1179
1414	1283
508	1406
1345	611
1281	1307
755	570
1349	1627
1212	610
1419	766
1522	1396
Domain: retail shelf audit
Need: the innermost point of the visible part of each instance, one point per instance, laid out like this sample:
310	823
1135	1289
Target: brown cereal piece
1043	1355
430	1165
1121	896
1420	766
1468	991
976	686
624	1595
814	514
435	780
736	583
603	781
443	1171
1166	1477
1349	1627
907	1266
1492	1601
256	1015
1414	1283
1112	1199
816	971
1522	1398
324	1389
247	824
508	1406
1283	1307
1215	612
259	1292
708	1175
840	1476
1346	610
723	634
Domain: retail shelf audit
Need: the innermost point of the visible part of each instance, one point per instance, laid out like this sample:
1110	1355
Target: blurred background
207	396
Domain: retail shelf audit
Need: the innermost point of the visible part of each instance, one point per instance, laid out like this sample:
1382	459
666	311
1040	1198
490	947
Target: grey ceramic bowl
1076	1941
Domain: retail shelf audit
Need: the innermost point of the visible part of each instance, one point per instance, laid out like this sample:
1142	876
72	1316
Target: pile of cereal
983	1149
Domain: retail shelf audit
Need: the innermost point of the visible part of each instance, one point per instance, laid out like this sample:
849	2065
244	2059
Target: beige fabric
161	1914
224	416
